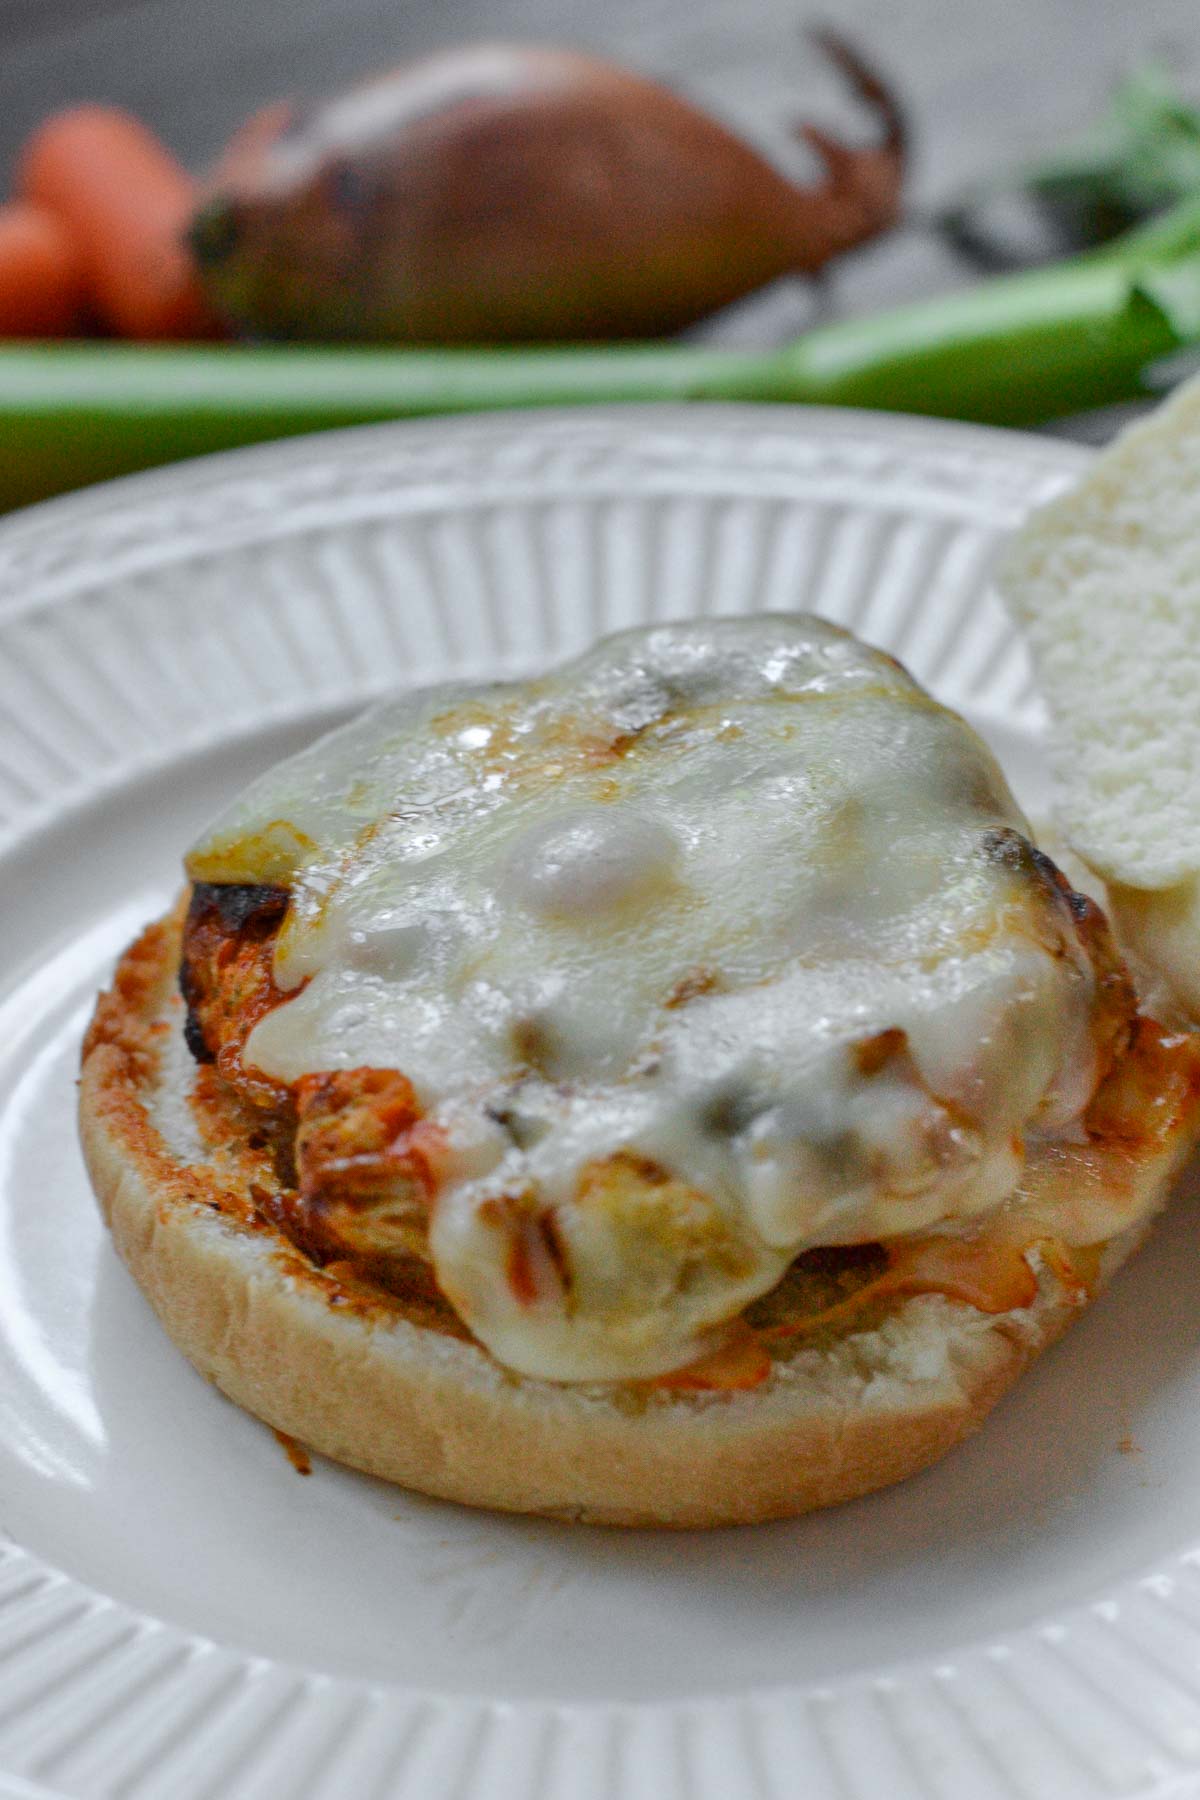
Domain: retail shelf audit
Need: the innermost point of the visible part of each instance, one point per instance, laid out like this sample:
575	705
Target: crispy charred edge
226	976
226	911
1115	1011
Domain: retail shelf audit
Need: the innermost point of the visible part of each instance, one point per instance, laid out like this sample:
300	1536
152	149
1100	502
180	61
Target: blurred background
986	82
985	86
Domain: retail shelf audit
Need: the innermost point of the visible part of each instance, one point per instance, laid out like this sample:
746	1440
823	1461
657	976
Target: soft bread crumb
1105	581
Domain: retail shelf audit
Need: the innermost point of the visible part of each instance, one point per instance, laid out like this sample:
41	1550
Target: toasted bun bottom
377	1387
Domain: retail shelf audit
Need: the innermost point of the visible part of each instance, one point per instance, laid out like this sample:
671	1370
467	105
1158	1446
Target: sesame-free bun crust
378	1386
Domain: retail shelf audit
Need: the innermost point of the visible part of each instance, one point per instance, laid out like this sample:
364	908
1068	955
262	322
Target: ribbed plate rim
1028	460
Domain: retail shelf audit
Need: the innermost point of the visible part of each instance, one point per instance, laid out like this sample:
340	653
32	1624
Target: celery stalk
1013	351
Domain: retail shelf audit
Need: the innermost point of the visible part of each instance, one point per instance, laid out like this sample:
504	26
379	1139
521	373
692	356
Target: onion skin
505	193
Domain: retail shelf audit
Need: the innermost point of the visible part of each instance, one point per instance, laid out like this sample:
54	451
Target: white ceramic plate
181	1615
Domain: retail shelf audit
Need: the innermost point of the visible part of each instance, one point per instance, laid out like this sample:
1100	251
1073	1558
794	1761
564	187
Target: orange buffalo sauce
295	1452
992	1276
742	1361
359	1132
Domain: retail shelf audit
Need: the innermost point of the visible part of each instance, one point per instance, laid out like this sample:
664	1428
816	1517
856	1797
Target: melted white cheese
659	905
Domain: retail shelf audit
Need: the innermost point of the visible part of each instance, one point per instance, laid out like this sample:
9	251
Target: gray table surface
986	81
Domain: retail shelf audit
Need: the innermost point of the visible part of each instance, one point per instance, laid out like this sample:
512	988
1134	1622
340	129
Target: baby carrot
41	281
126	201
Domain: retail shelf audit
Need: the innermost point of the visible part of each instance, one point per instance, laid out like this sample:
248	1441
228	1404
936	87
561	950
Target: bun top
720	942
1105	582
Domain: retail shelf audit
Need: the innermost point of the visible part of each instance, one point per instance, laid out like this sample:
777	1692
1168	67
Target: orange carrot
41	281
126	202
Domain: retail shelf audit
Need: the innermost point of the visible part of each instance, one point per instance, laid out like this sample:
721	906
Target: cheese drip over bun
718	943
